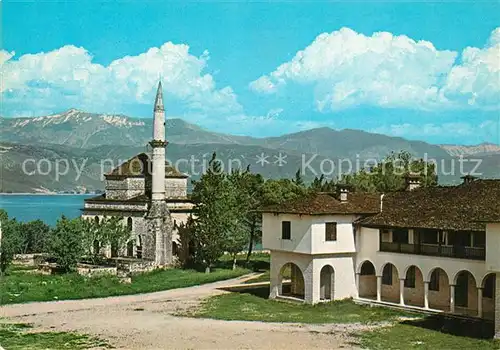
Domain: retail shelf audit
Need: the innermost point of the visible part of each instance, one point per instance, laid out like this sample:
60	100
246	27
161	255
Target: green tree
35	235
115	234
186	241
210	195
66	243
389	174
240	203
10	242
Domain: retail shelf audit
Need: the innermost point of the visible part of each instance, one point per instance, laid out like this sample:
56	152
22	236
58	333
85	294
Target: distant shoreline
47	194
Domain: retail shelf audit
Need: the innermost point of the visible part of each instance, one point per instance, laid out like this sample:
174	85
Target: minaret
159	245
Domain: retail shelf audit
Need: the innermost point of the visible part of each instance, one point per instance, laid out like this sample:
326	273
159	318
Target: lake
47	208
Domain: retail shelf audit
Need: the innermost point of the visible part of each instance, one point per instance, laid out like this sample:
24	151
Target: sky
417	69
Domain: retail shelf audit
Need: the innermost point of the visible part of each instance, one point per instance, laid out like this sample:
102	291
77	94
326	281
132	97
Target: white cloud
68	75
345	69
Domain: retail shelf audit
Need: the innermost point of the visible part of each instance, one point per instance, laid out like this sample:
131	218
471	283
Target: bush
66	243
10	242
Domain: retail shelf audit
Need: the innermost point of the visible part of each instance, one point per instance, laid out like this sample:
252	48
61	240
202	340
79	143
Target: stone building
435	249
149	194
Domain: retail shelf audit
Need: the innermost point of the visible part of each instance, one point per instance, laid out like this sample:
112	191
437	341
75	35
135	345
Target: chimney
412	181
343	192
467	179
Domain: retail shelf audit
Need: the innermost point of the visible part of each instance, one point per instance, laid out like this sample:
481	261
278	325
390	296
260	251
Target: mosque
149	194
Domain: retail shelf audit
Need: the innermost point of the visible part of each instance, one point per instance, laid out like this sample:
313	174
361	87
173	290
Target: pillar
379	288
452	298
311	284
402	291
480	302
357	284
497	306
426	295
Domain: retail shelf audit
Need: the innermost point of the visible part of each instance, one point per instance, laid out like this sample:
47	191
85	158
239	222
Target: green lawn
249	307
16	336
400	330
402	336
18	287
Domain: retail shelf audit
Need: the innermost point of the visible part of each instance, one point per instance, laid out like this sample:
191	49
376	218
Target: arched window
96	220
129	224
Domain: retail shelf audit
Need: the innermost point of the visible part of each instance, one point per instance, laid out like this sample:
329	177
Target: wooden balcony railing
461	252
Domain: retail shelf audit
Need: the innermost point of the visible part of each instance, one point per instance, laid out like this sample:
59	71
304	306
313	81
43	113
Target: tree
389	174
66	243
115	234
210	197
35	236
10	242
186	241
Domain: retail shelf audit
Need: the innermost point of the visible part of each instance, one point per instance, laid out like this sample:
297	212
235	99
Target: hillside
86	130
99	142
483	149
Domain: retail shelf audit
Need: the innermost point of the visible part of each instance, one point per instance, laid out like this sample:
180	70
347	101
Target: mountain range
98	142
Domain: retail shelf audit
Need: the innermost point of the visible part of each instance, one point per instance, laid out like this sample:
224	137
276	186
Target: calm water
45	207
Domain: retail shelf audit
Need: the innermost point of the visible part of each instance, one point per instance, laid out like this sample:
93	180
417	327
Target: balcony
460	252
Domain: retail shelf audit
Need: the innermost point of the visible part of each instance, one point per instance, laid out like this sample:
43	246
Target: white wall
300	241
308	234
493	246
345	236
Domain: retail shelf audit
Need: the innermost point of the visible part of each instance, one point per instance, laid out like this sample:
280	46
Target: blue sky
420	70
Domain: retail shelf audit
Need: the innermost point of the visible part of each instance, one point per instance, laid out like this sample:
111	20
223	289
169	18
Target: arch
130	248
129	224
464	271
363	263
96	220
327	283
367	286
488	301
465	292
390	283
296	287
138	248
439	289
96	247
414	283
381	270
488	278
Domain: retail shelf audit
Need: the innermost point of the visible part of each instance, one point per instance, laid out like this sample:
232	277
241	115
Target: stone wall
391	292
368	286
176	187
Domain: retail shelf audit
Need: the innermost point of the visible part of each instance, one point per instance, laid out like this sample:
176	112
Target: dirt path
148	321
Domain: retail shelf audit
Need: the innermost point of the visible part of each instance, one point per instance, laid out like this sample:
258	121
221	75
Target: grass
398	329
255	307
17	336
404	336
24	287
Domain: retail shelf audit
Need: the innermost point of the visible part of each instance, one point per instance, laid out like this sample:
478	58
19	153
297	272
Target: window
410	277
286	230
479	239
331	231
129	224
400	235
434	284
387	275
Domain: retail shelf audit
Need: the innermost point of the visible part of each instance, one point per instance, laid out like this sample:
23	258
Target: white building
424	248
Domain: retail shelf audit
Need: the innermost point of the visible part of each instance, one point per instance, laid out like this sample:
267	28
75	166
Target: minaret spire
158	217
159	98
